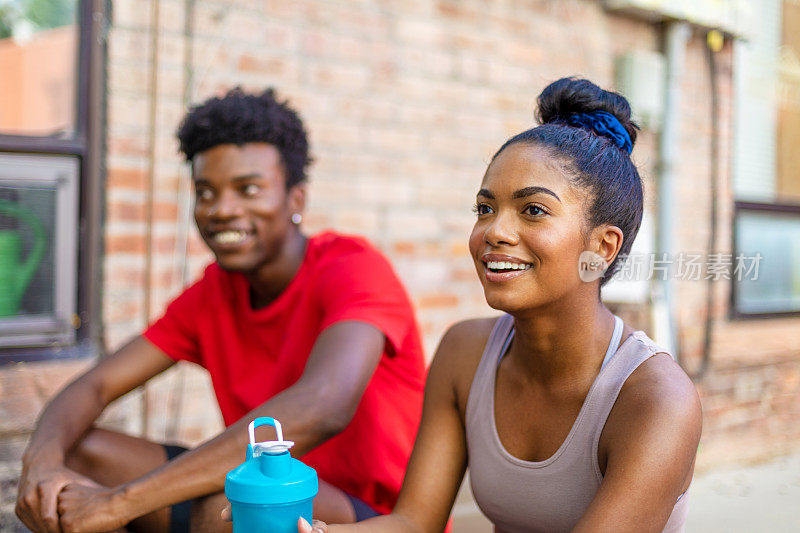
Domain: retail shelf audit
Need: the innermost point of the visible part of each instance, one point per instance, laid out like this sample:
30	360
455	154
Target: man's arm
317	407
67	417
653	433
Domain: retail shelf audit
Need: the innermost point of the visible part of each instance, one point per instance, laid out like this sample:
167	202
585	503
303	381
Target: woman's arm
439	459
650	439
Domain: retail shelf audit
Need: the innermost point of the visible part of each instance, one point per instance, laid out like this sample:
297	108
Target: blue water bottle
271	489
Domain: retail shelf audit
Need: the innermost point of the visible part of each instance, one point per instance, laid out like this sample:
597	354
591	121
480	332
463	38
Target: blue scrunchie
604	124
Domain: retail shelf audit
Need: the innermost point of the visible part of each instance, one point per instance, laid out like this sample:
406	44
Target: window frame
88	144
758	207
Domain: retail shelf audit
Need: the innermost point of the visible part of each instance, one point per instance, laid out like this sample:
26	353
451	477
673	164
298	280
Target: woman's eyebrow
486	193
529	191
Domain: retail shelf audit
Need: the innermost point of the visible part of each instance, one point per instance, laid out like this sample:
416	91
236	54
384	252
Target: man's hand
88	509
37	499
67	419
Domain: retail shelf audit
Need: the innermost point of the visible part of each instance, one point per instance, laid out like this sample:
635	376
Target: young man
316	332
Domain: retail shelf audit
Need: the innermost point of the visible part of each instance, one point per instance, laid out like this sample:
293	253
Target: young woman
567	419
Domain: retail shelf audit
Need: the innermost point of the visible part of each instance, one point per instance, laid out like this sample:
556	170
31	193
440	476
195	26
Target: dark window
767	256
766	183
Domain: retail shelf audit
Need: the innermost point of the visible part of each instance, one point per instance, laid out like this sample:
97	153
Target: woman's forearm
391	523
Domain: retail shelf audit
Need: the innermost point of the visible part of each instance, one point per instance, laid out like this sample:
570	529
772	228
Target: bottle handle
264	421
254	449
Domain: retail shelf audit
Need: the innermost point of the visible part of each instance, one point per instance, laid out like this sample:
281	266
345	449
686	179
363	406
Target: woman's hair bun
567	96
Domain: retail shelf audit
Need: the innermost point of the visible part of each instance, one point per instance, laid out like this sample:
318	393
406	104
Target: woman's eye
481	209
250	189
534	210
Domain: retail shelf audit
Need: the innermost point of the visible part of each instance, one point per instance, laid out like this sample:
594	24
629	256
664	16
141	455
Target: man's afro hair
239	118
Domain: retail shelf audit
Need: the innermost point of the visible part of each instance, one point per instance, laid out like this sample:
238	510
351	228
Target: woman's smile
499	267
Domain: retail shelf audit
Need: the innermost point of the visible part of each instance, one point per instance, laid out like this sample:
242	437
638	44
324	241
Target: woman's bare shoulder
658	393
459	354
660	382
464	341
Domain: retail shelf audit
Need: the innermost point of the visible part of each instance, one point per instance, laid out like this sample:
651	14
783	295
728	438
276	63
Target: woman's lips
504	275
503	268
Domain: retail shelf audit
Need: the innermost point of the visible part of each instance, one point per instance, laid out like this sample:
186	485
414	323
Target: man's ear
297	198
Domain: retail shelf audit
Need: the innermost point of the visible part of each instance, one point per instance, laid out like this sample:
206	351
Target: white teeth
506	265
230	237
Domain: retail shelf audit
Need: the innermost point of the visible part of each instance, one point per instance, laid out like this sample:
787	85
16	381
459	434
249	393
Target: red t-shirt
254	354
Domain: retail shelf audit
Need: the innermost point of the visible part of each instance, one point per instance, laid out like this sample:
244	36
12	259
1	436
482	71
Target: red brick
128	146
125	244
126	178
436	300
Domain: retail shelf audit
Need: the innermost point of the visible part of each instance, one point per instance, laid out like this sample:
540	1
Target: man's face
242	208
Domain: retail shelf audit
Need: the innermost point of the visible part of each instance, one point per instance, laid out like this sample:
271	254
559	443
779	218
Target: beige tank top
549	495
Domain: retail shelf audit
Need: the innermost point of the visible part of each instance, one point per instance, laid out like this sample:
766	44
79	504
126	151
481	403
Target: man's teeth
505	265
228	237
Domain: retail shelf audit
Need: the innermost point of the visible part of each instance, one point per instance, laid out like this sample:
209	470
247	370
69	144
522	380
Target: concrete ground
752	499
749	499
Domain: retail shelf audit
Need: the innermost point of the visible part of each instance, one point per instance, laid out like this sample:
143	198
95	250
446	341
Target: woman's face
530	230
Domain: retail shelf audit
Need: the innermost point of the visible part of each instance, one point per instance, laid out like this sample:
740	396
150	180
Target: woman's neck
563	343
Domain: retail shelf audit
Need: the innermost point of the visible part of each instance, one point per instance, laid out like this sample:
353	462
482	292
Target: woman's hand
305	527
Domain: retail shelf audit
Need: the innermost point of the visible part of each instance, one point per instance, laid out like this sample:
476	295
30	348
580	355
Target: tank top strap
635	350
499	339
613	345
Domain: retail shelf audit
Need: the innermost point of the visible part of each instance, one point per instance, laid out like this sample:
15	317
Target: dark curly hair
594	161
239	118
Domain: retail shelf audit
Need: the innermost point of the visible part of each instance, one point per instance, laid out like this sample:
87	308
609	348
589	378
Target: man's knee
88	454
112	458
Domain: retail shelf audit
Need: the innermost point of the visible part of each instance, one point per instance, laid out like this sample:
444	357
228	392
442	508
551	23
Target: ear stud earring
297	218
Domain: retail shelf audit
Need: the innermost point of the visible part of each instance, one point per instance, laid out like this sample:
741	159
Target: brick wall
405	103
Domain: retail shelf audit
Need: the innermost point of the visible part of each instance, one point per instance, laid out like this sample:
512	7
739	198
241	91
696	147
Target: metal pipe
184	219
155	24
93	171
177	391
676	38
715	162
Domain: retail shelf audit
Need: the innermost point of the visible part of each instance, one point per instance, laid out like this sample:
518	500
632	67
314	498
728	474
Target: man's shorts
180	513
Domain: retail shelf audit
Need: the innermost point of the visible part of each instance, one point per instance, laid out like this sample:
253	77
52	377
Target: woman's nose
502	230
